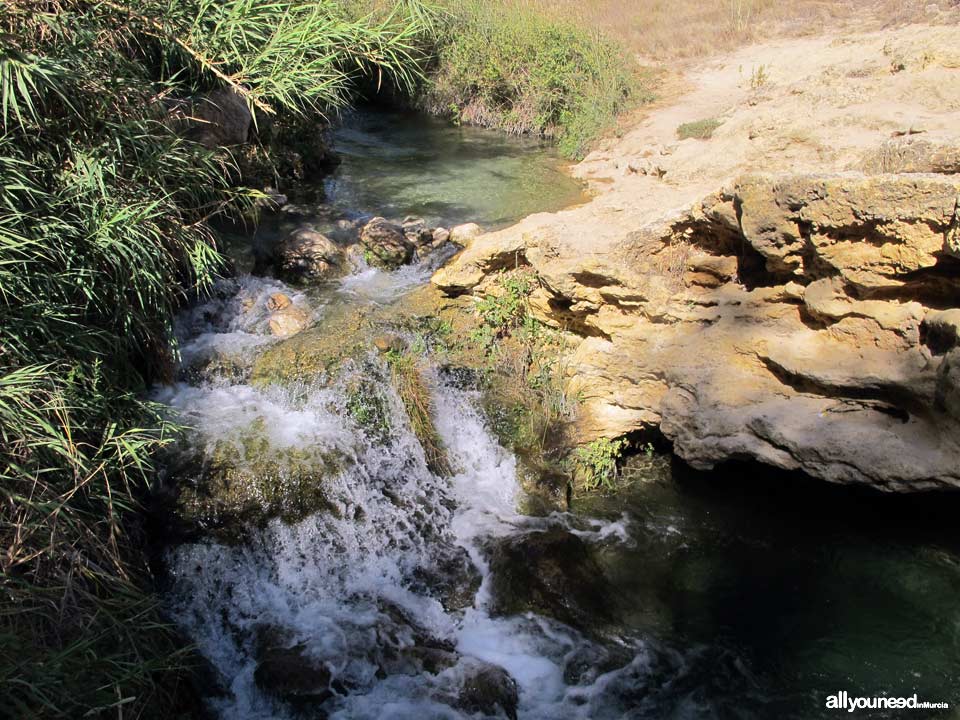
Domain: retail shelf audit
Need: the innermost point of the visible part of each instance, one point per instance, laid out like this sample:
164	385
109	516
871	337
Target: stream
381	589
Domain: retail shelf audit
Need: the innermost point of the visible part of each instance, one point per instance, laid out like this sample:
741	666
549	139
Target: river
397	592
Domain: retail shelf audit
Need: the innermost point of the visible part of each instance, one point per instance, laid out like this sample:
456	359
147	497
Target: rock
226	487
943	330
385	244
948	384
278	301
308	254
288	321
452	578
273	199
440	236
416	231
388	343
220	119
489	690
291	674
551	573
463	234
780	319
912	155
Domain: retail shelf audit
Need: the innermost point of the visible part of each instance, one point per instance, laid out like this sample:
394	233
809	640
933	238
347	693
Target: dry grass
660	30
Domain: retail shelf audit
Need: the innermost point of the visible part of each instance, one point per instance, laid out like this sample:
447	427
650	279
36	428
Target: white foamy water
358	588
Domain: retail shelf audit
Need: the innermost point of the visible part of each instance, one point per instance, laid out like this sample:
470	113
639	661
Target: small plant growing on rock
504	310
596	462
699	130
759	77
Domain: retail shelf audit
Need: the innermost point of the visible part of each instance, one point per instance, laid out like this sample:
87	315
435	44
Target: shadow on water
805	588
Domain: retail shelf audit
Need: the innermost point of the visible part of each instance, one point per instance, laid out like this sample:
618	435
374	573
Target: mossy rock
247	483
317	352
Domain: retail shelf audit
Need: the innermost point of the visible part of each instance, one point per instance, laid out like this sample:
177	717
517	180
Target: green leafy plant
596	462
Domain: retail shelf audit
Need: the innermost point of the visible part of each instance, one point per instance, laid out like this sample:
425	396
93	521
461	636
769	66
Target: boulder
451	577
288	321
463	234
220	119
308	254
385	244
489	690
551	573
440	236
416	231
781	319
292	674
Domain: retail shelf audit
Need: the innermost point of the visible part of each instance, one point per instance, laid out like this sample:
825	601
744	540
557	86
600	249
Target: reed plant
105	230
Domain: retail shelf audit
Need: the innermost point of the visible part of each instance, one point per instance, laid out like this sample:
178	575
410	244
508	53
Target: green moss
700	130
246	482
367	406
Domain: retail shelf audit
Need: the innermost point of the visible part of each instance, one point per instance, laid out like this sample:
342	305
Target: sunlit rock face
796	320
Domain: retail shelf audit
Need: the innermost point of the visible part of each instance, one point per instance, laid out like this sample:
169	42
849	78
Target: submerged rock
552	573
292	675
385	244
246	482
452	578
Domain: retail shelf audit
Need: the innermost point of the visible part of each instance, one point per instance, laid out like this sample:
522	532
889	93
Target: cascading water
324	570
357	591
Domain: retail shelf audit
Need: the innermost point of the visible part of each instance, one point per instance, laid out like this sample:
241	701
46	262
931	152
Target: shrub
509	66
596	462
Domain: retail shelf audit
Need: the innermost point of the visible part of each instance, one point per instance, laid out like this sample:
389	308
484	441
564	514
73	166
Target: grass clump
518	68
104	232
699	130
525	395
413	391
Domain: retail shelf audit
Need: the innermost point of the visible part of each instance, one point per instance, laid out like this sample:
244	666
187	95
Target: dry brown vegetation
661	30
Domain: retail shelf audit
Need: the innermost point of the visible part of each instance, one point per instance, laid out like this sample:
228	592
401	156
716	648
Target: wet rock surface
385	244
489	690
551	573
308	254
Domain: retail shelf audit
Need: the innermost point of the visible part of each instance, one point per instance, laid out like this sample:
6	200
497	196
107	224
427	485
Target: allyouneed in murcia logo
844	701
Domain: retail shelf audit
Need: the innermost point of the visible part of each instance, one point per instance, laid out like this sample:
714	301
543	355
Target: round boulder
306	253
385	244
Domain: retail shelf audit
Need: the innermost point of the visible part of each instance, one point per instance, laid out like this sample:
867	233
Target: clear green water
397	164
790	589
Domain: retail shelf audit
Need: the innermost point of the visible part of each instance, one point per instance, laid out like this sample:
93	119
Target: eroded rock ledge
808	322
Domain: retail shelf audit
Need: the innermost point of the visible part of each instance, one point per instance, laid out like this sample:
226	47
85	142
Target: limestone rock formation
808	322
